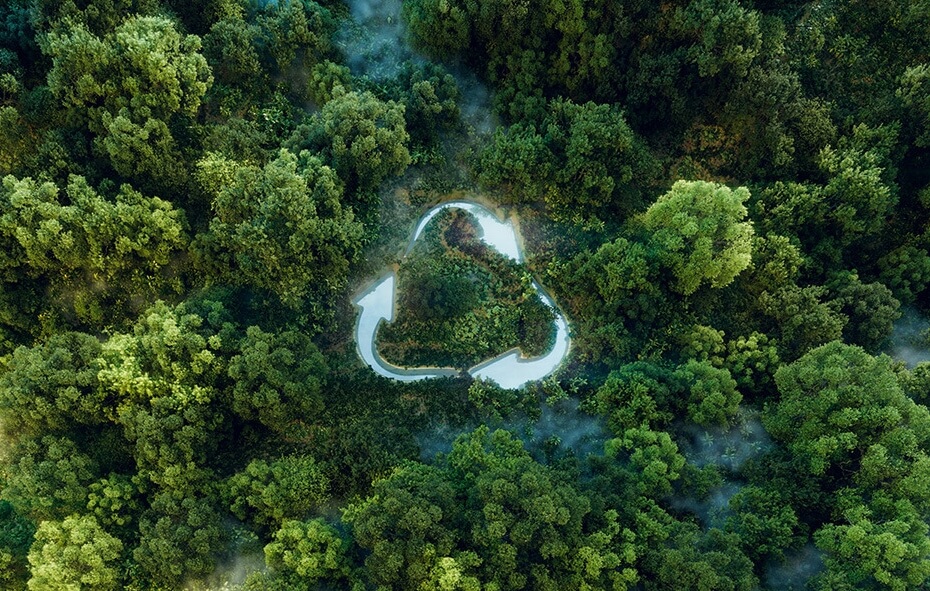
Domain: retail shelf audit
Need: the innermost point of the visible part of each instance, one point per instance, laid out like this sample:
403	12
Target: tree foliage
127	86
729	201
701	233
74	553
279	227
489	514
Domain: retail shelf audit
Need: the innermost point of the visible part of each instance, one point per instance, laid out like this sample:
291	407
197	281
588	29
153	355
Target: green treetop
700	229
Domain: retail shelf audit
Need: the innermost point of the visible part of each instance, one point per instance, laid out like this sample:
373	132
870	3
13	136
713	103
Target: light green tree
309	553
885	547
843	410
93	250
167	374
75	553
700	230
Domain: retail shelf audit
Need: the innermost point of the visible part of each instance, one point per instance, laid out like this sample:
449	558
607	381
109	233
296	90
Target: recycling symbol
509	369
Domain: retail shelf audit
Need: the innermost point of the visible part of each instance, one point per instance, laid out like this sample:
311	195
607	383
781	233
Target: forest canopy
728	200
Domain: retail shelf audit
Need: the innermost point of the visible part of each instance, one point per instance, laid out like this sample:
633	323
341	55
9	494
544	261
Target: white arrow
378	303
511	370
499	235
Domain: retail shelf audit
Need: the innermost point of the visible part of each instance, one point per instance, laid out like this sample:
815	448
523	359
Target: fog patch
562	428
713	509
230	575
797	568
726	447
376	44
475	102
910	338
375	39
438	441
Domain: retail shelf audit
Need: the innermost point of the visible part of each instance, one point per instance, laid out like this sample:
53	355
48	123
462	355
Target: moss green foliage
461	302
268	494
278	227
127	87
363	137
581	159
728	199
535	530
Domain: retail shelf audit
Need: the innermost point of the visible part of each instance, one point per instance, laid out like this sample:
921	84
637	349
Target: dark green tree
16	536
488	515
127	87
765	523
870	307
289	31
278	378
179	537
363	138
53	385
50	480
268	494
282	228
712	396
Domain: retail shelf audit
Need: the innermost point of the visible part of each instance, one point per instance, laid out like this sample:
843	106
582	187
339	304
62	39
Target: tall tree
363	138
283	228
98	253
128	87
700	231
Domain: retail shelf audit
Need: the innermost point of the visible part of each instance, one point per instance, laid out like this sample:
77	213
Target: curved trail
508	370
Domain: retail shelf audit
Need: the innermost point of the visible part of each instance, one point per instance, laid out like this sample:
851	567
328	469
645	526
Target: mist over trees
729	200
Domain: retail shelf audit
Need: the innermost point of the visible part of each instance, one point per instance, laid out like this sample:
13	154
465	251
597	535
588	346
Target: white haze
376	45
793	573
375	40
712	510
561	427
231	575
910	338
727	447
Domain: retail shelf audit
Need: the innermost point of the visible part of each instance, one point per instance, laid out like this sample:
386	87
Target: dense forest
729	200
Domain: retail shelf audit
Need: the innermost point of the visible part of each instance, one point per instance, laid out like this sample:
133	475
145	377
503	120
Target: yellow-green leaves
75	553
700	230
